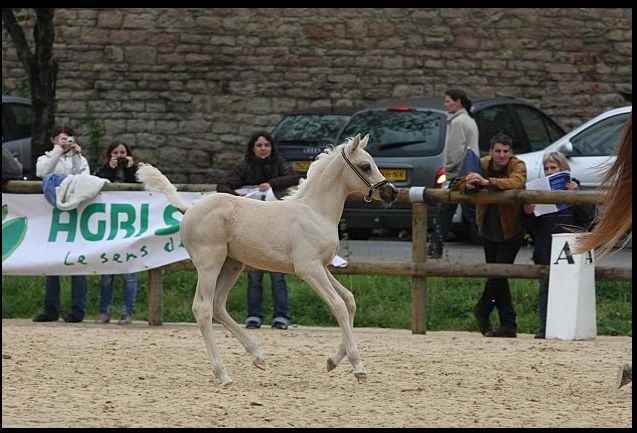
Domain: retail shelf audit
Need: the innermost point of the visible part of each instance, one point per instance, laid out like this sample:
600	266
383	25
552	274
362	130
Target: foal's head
363	173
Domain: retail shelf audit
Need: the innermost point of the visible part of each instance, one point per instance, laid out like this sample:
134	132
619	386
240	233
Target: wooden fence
419	268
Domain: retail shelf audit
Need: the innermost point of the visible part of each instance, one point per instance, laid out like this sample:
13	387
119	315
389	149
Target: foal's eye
366	166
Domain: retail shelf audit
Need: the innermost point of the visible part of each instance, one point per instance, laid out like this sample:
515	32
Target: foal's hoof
259	363
362	377
331	365
227	382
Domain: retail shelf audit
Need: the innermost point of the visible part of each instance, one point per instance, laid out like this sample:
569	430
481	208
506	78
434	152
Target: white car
590	148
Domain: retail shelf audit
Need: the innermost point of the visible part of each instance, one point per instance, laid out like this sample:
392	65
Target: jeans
279	296
496	290
129	294
79	295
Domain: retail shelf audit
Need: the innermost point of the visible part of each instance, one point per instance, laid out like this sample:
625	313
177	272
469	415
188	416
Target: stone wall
186	87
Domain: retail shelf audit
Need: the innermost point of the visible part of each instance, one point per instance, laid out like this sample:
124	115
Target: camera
70	141
122	162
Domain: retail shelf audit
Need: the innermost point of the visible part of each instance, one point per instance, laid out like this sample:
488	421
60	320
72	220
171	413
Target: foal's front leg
348	298
317	276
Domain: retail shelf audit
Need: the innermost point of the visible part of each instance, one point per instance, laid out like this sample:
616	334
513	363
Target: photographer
65	158
119	167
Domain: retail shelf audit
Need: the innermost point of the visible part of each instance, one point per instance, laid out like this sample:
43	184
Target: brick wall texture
187	87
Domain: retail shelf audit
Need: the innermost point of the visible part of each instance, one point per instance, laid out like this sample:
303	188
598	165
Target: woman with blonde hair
543	227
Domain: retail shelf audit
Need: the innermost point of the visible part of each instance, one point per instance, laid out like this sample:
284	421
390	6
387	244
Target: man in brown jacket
500	227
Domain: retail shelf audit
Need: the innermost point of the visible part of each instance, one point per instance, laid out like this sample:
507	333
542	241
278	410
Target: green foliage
22	88
96	132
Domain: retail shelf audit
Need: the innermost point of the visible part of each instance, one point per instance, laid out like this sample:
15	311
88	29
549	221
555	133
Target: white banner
114	233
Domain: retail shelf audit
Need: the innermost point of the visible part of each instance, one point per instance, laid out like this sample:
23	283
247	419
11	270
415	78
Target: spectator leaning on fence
120	167
501	229
65	158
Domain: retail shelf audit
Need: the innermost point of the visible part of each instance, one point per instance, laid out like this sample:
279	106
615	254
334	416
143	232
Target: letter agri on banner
114	233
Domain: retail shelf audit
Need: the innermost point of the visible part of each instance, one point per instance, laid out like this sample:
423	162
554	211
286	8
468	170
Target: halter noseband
371	187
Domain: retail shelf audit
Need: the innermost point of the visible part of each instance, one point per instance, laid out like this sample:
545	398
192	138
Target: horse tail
154	180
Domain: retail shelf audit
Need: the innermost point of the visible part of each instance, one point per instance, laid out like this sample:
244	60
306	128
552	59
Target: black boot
484	324
505	330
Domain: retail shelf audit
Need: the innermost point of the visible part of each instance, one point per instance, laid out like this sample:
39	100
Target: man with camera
64	159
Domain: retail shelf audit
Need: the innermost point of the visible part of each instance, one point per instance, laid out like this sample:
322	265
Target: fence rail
419	269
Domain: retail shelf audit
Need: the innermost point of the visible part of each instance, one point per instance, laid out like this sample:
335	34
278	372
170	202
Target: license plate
394	174
301	165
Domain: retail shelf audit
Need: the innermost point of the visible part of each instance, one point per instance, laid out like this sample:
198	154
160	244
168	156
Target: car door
590	152
540	130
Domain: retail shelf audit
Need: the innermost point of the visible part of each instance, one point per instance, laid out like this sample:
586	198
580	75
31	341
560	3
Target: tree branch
19	40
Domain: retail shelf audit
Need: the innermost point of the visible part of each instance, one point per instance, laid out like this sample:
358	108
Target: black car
16	130
407	139
303	134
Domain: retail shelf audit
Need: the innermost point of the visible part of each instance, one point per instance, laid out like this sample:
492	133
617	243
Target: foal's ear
356	141
364	141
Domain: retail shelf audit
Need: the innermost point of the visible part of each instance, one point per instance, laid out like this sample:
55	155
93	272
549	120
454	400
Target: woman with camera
65	158
120	167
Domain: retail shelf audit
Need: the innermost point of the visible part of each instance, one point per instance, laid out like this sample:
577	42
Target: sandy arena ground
87	375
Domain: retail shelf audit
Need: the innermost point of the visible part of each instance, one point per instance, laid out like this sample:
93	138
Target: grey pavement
398	251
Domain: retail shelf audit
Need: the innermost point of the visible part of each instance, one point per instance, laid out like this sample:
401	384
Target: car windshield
311	128
601	138
399	133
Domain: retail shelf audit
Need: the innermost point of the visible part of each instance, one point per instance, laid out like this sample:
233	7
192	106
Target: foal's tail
154	180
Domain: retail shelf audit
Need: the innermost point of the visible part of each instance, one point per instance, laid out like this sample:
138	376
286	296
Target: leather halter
371	187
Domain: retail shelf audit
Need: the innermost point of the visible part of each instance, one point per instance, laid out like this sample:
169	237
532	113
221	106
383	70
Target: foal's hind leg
230	271
202	309
317	277
348	298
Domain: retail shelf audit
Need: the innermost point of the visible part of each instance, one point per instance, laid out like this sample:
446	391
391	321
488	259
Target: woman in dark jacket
544	226
120	166
261	166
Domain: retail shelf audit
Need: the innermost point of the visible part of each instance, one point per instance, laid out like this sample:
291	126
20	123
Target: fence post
155	297
419	255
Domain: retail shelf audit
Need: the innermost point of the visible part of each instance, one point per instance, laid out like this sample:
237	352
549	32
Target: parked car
589	148
303	134
407	139
16	130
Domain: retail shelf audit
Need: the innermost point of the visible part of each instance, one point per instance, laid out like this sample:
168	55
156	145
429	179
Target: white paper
256	194
554	182
338	262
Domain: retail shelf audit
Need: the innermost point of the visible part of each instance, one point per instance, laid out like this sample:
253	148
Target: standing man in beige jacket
462	134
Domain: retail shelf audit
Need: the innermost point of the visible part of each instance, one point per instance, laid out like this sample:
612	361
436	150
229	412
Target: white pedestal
571	312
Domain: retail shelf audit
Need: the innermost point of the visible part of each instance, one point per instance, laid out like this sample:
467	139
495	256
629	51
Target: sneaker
280	323
104	318
253	324
46	317
502	331
125	319
72	318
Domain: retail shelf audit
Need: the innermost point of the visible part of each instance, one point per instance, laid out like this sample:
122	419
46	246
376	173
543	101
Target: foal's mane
319	164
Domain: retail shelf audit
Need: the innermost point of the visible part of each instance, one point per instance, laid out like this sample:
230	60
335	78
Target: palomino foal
299	235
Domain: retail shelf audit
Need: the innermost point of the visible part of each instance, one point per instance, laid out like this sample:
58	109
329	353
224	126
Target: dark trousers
542	302
497	293
444	218
279	295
